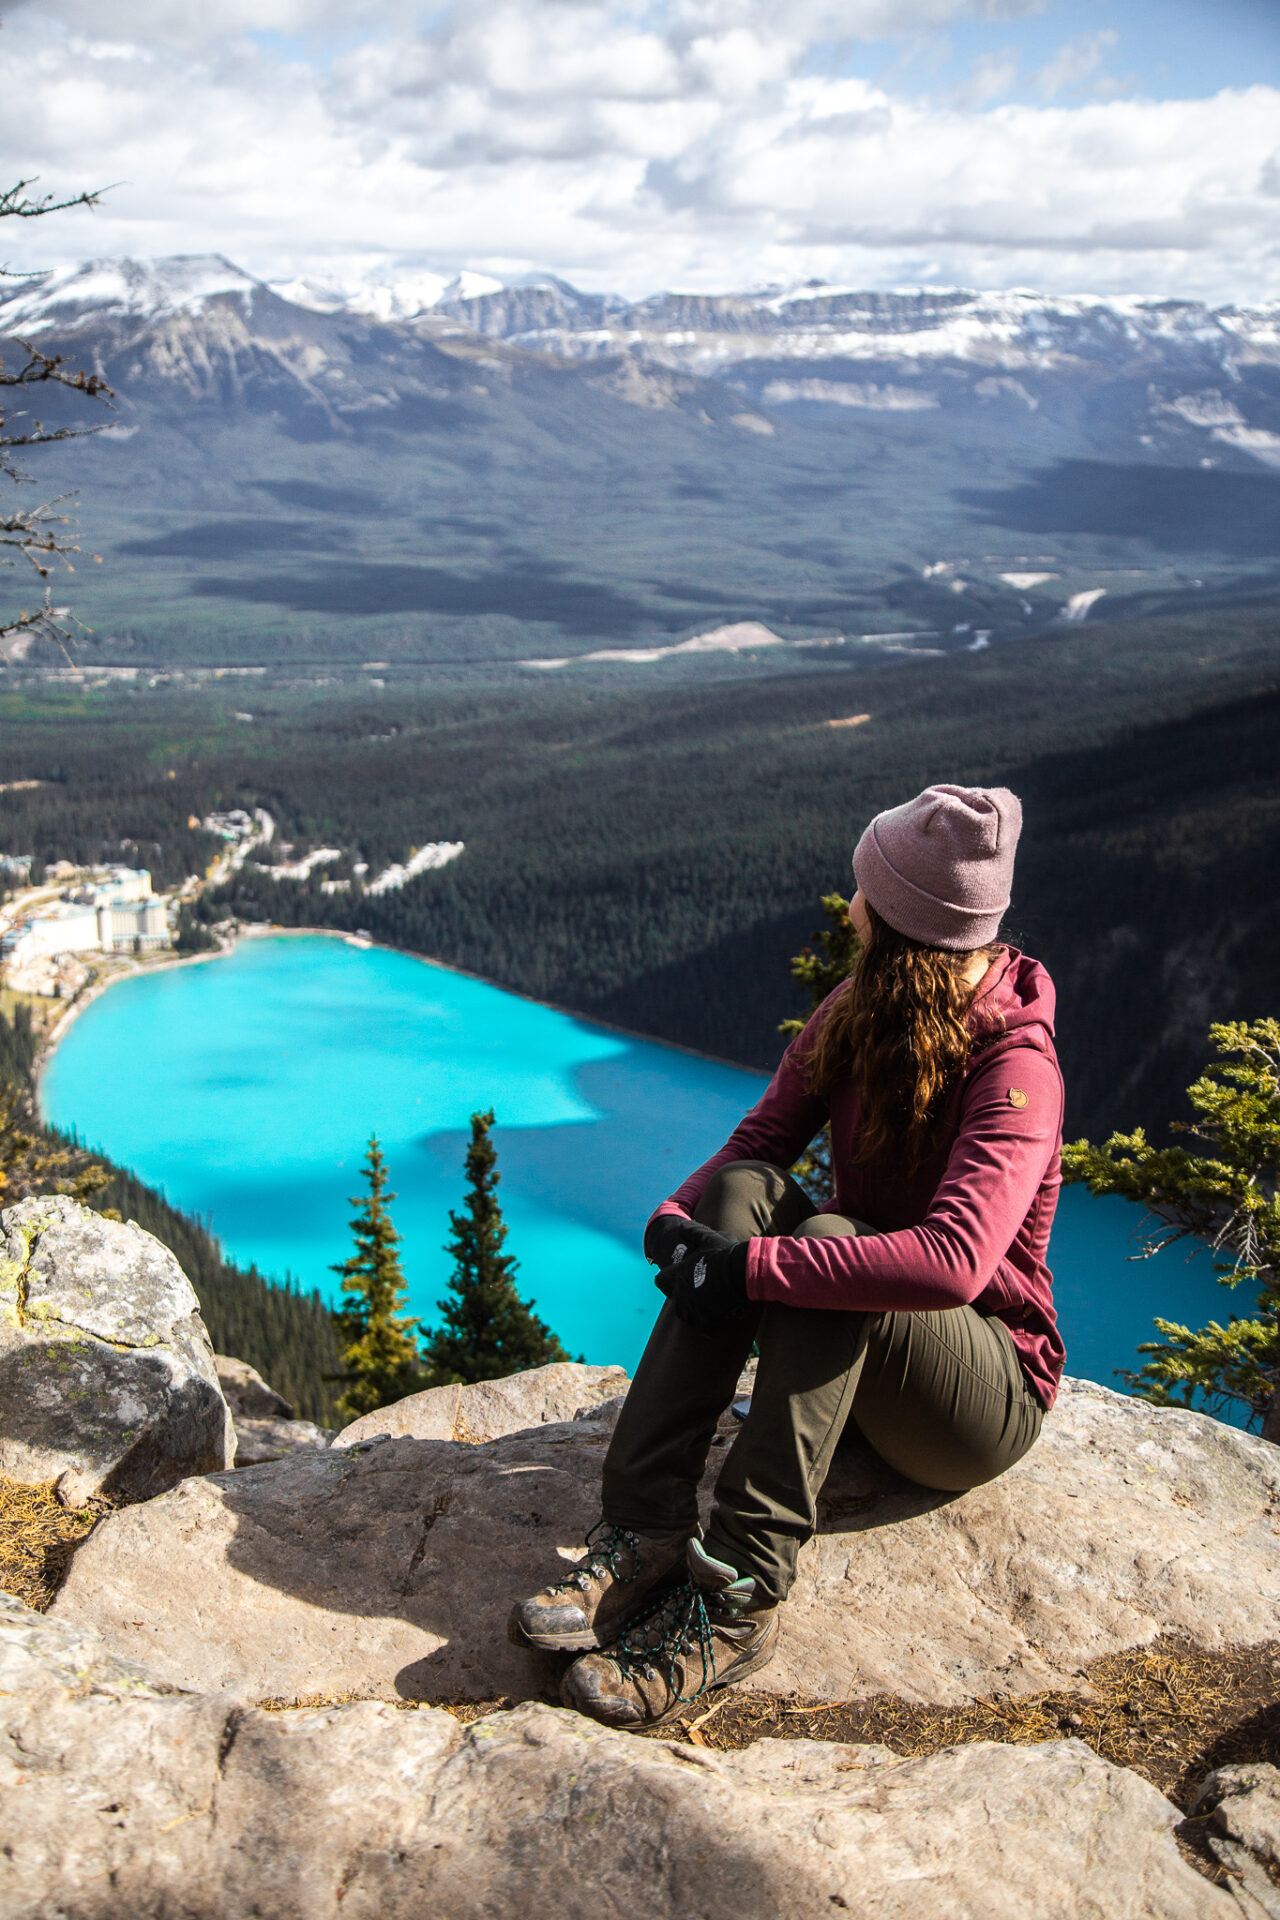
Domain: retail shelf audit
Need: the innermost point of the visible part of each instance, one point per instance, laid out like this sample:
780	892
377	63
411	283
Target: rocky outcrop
107	1381
565	1390
264	1421
1243	1804
387	1566
121	1799
247	1393
258	1441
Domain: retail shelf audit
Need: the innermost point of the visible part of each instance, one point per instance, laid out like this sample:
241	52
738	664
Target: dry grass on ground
37	1538
1170	1712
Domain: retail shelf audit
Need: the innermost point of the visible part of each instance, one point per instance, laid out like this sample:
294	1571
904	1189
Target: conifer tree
821	971
1226	1196
379	1362
487	1330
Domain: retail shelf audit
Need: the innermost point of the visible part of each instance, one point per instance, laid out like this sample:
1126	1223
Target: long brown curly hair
899	1030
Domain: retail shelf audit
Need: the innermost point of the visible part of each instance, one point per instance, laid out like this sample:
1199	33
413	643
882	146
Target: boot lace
604	1557
677	1623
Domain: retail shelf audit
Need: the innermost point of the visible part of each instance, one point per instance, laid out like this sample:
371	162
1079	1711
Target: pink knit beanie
940	868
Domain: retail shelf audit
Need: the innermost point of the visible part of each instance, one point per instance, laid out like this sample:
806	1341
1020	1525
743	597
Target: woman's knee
830	1226
749	1197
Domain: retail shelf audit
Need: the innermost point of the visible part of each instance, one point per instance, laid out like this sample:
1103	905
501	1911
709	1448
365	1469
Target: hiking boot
589	1605
709	1631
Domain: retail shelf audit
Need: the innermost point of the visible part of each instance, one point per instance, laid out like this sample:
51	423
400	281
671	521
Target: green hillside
652	852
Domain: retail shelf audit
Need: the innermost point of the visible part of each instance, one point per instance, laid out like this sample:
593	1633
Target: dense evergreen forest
288	1335
650	851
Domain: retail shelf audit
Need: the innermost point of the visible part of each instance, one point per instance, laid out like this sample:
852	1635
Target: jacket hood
1020	992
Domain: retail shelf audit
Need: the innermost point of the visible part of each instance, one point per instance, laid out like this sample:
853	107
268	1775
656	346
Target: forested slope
650	852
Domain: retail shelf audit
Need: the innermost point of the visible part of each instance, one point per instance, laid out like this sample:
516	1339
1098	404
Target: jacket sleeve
778	1129
1010	1126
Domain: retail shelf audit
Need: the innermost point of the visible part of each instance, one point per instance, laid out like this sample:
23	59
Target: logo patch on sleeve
1017	1098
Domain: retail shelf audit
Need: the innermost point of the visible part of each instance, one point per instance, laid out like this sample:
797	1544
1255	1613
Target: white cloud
991	77
1075	62
687	143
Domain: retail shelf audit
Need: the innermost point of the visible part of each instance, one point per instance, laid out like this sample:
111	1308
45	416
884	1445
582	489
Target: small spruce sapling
379	1360
1226	1196
820	969
487	1330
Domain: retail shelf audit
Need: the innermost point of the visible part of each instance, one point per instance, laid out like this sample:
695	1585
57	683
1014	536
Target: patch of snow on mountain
743	636
997	386
848	393
118	289
471	286
1205	409
402	297
317	296
1262	445
436	854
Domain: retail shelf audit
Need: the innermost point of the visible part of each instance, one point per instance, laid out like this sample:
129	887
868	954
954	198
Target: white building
61	929
119	914
139	925
235	825
121	886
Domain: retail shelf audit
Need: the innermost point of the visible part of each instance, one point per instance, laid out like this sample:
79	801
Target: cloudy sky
1072	145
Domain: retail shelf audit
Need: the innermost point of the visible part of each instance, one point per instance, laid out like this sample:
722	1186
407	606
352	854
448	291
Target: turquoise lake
247	1087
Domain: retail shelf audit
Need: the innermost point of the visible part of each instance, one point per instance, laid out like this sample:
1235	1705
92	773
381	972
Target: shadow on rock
863	1491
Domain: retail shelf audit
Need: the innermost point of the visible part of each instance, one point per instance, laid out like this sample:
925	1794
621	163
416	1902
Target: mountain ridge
528	471
923	321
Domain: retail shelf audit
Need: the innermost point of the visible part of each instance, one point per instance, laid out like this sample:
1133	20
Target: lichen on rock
107	1382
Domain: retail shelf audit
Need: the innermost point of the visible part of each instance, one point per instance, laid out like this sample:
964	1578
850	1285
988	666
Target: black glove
708	1287
669	1237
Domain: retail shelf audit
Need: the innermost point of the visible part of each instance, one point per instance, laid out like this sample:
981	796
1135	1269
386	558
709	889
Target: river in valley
247	1087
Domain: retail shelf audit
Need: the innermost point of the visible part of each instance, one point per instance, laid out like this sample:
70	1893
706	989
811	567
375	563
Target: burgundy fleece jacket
971	1227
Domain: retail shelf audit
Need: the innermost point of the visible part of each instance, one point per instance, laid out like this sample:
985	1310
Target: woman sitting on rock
919	1306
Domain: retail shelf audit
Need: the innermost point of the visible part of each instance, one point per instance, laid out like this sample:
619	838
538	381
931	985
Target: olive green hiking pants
941	1397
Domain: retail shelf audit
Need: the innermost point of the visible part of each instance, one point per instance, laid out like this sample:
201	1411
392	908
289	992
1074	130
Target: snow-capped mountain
527	456
704	334
1191	373
97	291
1011	332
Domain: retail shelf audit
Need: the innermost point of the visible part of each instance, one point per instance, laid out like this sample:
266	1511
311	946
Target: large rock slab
107	1381
489	1408
388	1567
122	1801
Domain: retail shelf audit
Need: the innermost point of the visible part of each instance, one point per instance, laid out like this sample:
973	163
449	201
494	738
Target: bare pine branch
42	367
33	534
16	205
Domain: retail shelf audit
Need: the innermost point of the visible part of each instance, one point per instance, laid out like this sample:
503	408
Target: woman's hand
671	1238
707	1286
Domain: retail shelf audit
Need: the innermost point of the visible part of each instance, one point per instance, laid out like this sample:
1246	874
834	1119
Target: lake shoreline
55	1032
246	1095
